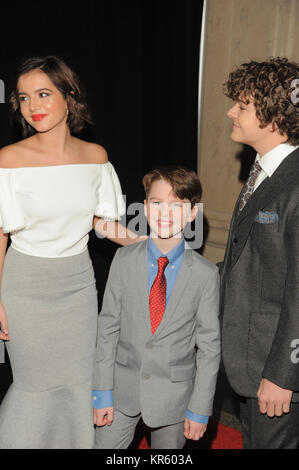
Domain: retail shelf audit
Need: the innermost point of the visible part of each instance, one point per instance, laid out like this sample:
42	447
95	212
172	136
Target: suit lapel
142	285
226	262
181	282
265	193
244	220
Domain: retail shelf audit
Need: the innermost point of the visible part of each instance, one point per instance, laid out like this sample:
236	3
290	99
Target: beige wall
236	32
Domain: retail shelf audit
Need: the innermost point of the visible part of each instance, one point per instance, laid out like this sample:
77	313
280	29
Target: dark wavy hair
65	80
184	182
271	86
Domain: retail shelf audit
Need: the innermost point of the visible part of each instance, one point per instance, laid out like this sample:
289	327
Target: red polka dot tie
157	297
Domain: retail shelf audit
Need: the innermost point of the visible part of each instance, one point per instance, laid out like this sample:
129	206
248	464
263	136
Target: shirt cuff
197	418
102	398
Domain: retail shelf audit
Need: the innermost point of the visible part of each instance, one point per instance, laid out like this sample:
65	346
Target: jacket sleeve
280	367
208	344
108	330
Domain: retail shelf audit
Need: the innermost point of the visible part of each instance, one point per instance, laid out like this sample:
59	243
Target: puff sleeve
11	217
110	203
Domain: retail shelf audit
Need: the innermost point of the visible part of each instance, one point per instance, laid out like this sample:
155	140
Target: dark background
138	61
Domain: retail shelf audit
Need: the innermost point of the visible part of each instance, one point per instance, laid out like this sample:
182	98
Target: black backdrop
138	60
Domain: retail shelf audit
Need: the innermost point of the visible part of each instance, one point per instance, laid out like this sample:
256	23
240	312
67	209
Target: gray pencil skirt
51	306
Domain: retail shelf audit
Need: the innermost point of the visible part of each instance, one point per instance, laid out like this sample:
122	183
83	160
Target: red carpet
217	436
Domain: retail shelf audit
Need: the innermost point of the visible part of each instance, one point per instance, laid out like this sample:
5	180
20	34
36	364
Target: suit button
235	240
146	376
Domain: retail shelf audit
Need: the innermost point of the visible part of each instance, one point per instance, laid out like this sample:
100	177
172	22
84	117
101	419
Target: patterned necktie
249	185
157	297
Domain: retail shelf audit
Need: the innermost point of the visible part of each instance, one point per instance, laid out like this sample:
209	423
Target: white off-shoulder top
49	210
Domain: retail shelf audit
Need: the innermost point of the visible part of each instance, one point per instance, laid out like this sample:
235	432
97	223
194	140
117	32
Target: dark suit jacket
260	286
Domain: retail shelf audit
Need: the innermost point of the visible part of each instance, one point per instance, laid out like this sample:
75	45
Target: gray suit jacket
260	286
163	374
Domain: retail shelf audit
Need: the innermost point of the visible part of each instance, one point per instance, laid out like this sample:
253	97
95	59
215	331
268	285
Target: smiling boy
260	273
158	344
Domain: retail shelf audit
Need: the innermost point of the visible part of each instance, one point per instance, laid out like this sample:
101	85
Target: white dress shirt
271	161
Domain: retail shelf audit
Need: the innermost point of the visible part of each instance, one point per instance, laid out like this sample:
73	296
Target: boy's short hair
184	182
271	85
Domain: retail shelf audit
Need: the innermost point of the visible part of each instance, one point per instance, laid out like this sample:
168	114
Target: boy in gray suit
158	347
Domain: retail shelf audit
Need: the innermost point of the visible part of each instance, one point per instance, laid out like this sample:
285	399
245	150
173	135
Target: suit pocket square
266	217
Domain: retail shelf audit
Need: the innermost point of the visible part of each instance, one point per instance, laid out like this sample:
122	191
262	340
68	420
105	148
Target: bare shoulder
98	153
9	156
93	153
18	154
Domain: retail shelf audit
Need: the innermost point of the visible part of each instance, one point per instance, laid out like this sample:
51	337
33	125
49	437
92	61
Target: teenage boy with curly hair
260	272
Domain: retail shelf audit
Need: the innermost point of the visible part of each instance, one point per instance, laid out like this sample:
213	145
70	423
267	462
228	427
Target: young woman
53	189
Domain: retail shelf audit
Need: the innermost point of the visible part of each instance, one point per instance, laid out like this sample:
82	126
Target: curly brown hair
271	86
65	80
184	182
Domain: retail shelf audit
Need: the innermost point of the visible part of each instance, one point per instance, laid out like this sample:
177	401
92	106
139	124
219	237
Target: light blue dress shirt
104	398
